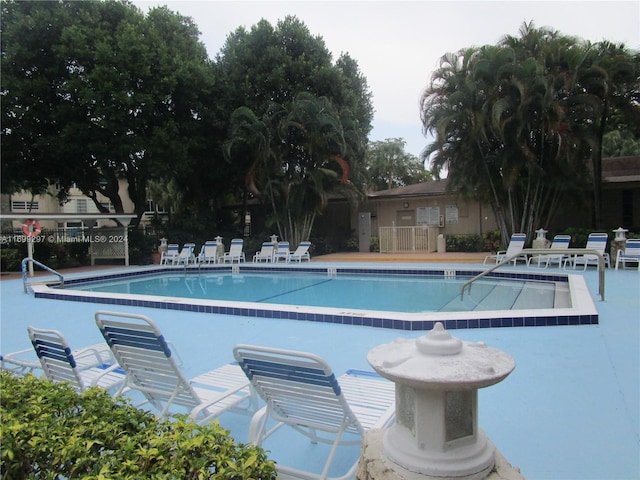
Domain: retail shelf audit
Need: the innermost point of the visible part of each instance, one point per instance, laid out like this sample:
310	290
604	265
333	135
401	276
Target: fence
104	243
408	239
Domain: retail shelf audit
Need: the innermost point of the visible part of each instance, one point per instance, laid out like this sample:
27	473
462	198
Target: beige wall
48	203
471	217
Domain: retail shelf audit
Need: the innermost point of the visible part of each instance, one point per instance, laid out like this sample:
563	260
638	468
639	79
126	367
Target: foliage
520	124
94	92
375	244
620	143
466	243
299	123
54	254
49	431
388	166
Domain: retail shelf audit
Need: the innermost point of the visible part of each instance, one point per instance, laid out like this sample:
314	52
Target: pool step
507	295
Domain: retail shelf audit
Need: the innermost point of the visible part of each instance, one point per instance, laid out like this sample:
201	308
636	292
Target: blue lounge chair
208	253
598	242
26	361
151	368
265	254
301	253
60	365
281	252
186	255
631	253
168	257
516	244
302	393
560	242
235	253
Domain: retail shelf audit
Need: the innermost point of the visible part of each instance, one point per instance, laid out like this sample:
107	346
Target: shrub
465	243
49	431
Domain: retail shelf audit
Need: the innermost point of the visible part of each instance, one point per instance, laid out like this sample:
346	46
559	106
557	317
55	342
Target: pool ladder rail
545	251
27	260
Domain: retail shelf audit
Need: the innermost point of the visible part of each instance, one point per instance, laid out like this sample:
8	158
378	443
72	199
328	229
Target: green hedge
489	242
48	431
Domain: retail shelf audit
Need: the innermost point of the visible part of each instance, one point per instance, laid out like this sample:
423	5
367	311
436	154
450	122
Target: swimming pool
326	294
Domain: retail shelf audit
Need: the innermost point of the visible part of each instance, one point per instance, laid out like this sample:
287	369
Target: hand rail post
29	260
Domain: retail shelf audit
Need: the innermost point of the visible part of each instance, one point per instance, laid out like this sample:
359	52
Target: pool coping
581	312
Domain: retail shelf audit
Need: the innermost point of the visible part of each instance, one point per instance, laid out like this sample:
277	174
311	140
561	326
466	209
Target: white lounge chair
281	252
631	253
209	253
186	255
265	253
560	242
26	361
59	363
168	257
598	242
516	244
235	253
151	369
301	253
302	393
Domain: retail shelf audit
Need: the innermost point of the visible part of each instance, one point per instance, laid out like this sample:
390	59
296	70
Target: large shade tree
95	92
388	165
506	126
299	124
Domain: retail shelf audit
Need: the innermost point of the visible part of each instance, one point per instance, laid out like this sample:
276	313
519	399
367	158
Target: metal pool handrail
546	251
41	265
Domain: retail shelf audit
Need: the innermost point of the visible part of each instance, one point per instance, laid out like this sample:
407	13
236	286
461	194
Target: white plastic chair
631	253
281	252
560	242
151	368
168	257
59	363
265	253
516	244
302	393
235	253
598	242
301	253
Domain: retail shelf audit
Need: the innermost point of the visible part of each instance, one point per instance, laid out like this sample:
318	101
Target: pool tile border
584	314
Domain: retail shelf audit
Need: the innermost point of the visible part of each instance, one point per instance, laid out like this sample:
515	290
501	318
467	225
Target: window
24	206
81	205
108	206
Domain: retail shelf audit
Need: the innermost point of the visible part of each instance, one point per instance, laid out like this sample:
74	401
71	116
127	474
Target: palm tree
499	115
297	155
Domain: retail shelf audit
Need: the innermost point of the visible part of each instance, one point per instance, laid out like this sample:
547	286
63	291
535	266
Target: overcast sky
397	44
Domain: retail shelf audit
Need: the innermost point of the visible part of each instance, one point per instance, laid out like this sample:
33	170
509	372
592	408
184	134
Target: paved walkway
449	257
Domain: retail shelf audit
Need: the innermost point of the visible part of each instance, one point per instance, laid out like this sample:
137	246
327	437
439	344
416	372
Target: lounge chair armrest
106	371
19	361
202	407
258	427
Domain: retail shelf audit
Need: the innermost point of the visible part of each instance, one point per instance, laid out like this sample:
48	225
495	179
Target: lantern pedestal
437	378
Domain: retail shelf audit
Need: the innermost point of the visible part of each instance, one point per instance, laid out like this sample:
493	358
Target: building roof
621	169
614	170
436	187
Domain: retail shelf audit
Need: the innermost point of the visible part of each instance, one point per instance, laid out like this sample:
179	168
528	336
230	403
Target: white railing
408	239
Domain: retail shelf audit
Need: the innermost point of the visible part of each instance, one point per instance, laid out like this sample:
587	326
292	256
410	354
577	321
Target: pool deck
570	409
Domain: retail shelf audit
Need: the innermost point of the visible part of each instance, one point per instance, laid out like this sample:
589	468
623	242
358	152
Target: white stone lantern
541	239
618	243
437	378
274	239
620	233
163	247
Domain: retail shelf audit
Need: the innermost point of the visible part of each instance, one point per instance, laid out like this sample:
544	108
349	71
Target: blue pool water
412	294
